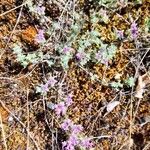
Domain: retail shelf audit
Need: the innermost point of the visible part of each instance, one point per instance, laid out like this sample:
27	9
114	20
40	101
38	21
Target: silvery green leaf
50	105
50	63
111	51
105	18
95	33
29	3
76	16
112	105
81	43
65	60
130	81
39	89
97	41
80	49
31	57
56	25
17	49
87	43
21	57
94	19
104	46
75	28
24	63
40	54
116	85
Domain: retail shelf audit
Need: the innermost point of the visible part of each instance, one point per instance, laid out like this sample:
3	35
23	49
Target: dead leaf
142	82
112	105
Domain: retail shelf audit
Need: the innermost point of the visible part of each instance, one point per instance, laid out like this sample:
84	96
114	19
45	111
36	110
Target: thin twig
12	10
3	132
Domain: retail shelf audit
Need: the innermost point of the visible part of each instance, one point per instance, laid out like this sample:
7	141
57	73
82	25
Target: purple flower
52	81
134	30
68	100
80	55
66	145
60	108
40	37
40	10
86	143
73	140
66	124
120	34
76	129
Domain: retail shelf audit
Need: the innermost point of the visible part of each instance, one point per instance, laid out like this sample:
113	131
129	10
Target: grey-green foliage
130	81
106	53
90	41
99	16
25	59
116	85
108	3
111	51
30	5
85	44
65	60
65	56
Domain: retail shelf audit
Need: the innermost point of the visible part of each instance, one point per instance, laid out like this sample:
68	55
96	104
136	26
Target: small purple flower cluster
40	10
74	130
70	143
68	100
66	124
87	143
61	107
134	30
40	37
51	82
74	140
80	55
